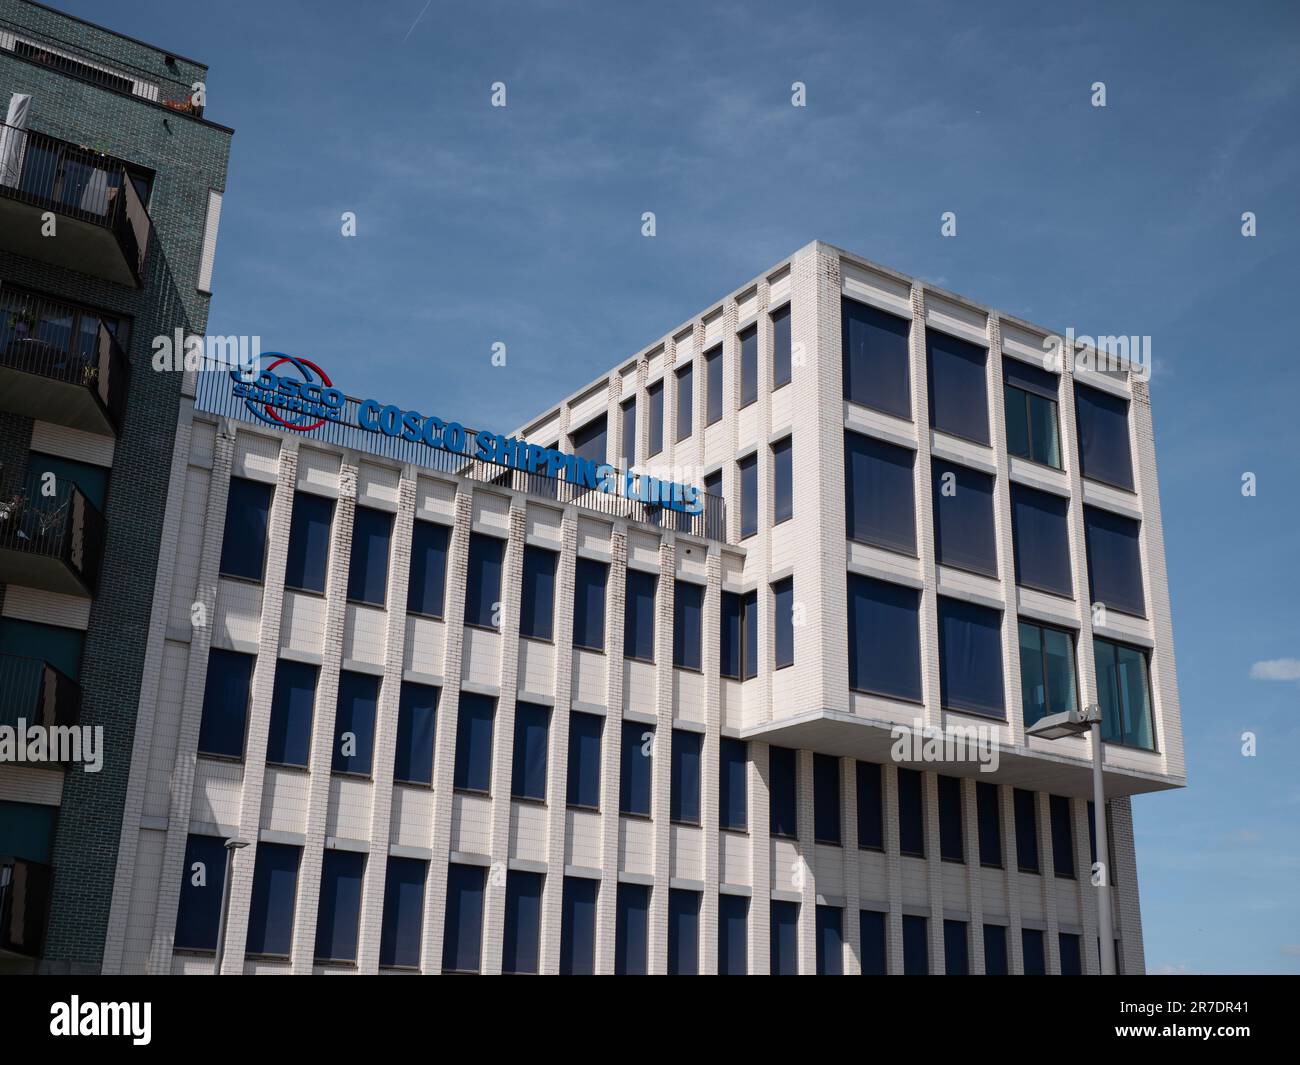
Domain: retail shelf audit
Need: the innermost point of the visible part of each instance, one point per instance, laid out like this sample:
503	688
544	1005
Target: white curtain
13	139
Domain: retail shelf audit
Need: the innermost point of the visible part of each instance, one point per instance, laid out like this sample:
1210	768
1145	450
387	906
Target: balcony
34	691
25	889
54	542
101	226
60	364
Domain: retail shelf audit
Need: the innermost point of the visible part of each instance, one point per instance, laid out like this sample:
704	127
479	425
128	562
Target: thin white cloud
1276	669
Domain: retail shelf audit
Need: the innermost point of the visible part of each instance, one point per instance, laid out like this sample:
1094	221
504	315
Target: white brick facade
807	706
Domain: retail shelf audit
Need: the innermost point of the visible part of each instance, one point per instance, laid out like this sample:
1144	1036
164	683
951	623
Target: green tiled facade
189	157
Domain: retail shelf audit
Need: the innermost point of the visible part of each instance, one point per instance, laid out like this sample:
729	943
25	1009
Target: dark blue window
733	935
631	931
1031	405
684	773
629	433
963	519
739	642
1042	542
417	713
871	807
988	806
748	495
354	723
27	830
826	799
879	493
958	386
783	481
970	658
1031	941
1124	692
830	941
1103	436
783	623
1114	561
403	927
713	385
427	590
876	358
1047	683
884	638
309	542
733	783
270	909
225	703
685	405
339	912
639	617
688	621
591	440
532	733
537	610
243	545
583	781
1071	955
654	395
911	813
749	366
292	703
956	953
781	347
1062	836
871	930
589	578
368	567
474	742
785	938
1026	831
522	939
995	950
916	949
950	834
203	880
634	768
683	933
782	794
483	581
578	927
462	935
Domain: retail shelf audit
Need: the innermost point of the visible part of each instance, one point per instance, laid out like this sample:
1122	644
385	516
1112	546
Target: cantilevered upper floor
942	516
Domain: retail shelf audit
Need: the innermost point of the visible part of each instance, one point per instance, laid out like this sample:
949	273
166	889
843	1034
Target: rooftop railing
77	61
214	394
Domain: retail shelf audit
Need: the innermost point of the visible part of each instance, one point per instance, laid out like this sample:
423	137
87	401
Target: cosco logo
301	398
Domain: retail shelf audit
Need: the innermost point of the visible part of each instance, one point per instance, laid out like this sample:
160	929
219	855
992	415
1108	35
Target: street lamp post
1076	723
232	845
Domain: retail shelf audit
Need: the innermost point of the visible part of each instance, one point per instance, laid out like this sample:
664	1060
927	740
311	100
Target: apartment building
111	181
483	703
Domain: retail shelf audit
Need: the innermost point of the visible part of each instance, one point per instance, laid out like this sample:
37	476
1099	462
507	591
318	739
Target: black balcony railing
33	691
81	183
24	905
63	526
64	343
77	61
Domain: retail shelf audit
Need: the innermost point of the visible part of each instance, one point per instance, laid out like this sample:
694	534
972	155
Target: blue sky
522	225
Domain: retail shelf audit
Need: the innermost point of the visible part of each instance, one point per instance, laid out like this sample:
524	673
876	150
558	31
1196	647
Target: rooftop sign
297	395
